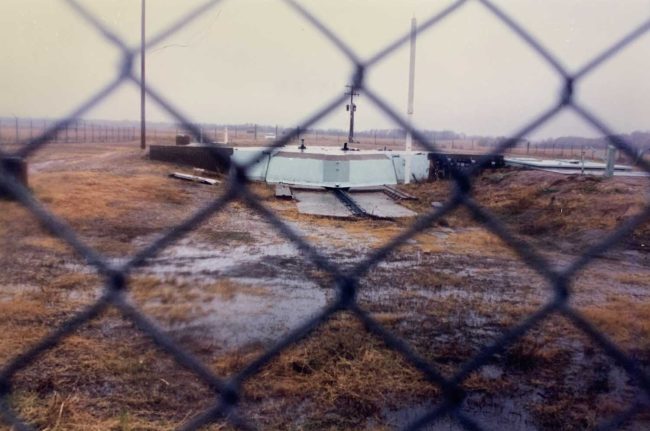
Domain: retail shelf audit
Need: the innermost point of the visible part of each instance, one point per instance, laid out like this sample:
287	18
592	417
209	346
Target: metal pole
143	130
16	118
409	110
609	169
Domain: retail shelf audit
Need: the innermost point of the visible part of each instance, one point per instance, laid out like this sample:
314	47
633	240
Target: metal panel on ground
380	205
561	164
321	203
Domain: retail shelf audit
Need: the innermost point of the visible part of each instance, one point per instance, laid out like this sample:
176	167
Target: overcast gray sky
258	61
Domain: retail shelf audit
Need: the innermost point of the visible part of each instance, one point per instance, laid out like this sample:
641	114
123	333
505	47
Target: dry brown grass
545	206
634	279
624	319
85	196
344	376
471	241
117	381
113	382
22	321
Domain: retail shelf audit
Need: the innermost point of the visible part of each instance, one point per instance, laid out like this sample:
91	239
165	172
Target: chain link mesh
346	281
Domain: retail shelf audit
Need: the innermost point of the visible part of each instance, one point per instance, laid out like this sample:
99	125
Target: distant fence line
87	131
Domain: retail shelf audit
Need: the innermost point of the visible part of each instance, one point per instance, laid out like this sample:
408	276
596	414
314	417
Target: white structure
331	167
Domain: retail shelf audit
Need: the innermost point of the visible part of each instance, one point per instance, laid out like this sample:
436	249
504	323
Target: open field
231	287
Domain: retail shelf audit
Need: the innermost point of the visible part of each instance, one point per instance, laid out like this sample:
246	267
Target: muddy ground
233	286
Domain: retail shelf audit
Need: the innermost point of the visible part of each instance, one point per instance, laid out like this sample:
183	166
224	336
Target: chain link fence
346	281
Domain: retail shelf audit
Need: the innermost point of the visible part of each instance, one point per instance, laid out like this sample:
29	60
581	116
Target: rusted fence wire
228	391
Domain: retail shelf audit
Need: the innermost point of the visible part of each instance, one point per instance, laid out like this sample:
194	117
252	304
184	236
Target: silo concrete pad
325	203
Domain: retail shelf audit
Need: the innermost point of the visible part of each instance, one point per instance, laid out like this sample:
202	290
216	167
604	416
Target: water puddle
502	415
199	261
236	295
262	314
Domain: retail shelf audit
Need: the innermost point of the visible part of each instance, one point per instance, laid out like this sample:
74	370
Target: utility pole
143	129
351	108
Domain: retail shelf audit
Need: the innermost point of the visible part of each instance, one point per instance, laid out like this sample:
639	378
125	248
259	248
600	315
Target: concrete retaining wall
199	156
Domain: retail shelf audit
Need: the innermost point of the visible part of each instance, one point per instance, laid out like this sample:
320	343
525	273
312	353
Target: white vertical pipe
609	167
225	135
409	109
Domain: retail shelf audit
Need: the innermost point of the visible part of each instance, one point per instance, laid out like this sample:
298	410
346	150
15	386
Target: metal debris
283	191
196	179
397	194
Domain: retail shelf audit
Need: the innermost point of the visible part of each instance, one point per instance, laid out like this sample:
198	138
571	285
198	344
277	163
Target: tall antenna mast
351	108
409	108
143	127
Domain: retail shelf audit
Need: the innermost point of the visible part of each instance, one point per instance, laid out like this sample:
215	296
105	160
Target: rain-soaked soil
236	283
